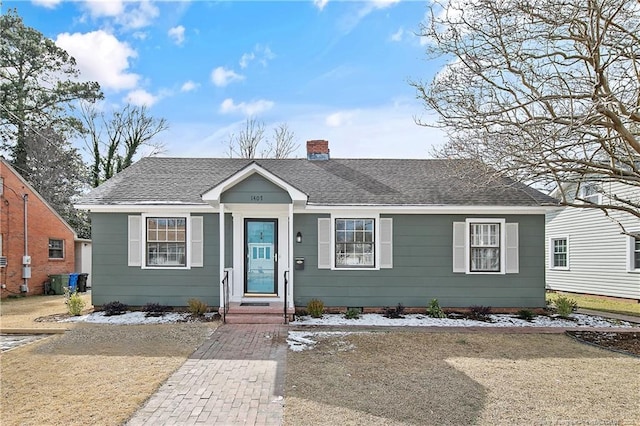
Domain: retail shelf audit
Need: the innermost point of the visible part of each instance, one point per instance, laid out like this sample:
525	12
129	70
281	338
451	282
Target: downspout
26	269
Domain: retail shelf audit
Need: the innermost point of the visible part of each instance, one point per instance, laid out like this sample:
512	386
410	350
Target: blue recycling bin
73	282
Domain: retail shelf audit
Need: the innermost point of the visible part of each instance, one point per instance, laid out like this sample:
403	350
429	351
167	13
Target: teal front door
261	251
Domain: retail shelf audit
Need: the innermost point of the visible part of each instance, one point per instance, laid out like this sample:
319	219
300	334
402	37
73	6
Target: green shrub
197	307
315	307
525	314
480	313
352	313
565	306
76	304
434	310
114	308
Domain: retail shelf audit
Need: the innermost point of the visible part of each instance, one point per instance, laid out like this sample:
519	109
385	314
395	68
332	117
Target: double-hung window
355	243
56	248
171	241
636	253
559	253
484	247
590	192
166	241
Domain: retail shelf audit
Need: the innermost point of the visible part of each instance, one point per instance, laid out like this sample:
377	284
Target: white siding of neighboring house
597	252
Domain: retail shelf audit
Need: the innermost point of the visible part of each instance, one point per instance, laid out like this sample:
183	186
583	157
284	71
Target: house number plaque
256	198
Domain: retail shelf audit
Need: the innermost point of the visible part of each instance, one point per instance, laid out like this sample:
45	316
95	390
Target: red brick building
26	260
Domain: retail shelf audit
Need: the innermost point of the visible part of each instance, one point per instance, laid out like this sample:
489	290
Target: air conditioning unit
3	261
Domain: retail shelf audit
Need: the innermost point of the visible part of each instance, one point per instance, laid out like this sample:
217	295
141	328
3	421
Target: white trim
551	253
150	207
631	254
169	208
291	262
221	257
354	214
213	195
503	245
187	243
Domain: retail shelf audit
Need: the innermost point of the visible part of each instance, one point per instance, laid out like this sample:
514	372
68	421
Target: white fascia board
214	194
432	209
146	208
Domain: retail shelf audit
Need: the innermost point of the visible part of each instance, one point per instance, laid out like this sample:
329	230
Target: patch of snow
300	340
416	320
129	318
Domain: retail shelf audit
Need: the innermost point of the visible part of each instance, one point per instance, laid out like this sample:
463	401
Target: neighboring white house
588	253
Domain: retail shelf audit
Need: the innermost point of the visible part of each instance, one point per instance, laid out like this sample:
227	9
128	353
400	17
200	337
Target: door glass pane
260	269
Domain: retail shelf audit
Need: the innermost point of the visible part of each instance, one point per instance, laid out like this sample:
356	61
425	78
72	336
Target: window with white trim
166	241
590	192
355	243
485	246
559	253
56	248
172	241
636	253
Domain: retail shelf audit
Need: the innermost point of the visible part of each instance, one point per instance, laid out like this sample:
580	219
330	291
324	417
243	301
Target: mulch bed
625	342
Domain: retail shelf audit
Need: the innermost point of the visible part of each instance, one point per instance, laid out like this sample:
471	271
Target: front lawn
601	303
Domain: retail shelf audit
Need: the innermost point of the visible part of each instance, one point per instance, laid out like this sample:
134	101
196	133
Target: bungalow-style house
587	252
243	234
35	241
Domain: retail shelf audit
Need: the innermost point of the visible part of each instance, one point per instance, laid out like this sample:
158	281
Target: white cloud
262	54
141	97
139	17
98	9
140	35
339	118
49	4
228	106
351	20
320	4
188	86
129	14
222	76
246	58
397	36
176	34
101	57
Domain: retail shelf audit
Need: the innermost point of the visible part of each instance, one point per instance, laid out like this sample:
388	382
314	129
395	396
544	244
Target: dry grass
625	307
403	378
94	373
21	312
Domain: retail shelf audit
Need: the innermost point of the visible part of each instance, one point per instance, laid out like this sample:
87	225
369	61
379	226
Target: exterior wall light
299	237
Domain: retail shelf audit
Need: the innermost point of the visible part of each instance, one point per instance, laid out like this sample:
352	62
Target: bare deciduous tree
246	143
547	92
115	141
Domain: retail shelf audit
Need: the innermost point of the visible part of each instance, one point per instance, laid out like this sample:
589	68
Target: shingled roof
159	180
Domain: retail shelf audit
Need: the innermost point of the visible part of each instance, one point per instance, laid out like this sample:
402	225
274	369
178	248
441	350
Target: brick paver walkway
235	378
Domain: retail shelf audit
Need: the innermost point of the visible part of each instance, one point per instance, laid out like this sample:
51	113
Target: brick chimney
317	150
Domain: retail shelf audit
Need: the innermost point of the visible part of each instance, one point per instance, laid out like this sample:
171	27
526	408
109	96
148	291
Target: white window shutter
631	242
197	241
459	247
386	243
324	243
135	241
511	255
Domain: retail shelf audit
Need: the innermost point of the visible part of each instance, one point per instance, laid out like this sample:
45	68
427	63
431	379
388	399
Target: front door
261	251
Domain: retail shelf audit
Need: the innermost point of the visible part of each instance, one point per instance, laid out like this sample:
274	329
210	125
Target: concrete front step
254	319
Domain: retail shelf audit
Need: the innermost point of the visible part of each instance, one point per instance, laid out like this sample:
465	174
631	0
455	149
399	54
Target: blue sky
335	70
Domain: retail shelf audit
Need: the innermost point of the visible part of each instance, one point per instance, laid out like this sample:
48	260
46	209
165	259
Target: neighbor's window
484	247
56	249
560	253
636	253
166	241
589	191
355	243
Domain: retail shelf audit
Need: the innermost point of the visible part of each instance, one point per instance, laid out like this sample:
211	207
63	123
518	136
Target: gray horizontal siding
597	253
113	280
255	190
422	269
